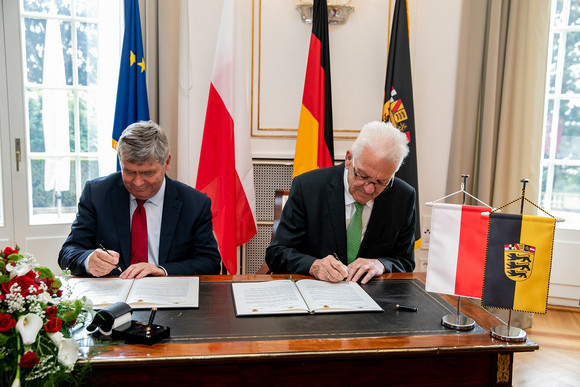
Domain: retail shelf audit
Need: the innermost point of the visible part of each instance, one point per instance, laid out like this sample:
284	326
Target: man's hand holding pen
102	262
329	269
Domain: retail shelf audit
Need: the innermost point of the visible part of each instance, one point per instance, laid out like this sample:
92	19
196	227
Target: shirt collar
158	198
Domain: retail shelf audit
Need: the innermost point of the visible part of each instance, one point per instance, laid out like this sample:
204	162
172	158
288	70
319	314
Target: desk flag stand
507	332
457	321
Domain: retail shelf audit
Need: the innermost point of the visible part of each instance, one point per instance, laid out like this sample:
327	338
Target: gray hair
142	142
383	140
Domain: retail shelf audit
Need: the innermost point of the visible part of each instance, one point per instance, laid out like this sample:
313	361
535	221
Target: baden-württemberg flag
132	104
315	141
518	262
398	99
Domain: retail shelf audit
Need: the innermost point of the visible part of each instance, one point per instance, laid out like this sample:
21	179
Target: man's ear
348	159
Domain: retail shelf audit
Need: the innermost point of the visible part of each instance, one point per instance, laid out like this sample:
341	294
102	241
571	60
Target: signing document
303	296
144	293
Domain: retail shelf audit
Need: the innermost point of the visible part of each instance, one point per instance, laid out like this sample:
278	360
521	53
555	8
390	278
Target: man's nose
369	187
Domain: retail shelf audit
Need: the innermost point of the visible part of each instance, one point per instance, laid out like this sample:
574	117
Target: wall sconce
338	11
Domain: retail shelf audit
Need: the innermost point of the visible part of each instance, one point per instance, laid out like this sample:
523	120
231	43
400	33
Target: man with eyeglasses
352	221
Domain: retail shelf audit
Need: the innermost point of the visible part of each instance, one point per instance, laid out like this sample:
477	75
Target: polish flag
225	170
457	250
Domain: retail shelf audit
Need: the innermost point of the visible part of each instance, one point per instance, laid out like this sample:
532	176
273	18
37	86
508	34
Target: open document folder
303	296
144	293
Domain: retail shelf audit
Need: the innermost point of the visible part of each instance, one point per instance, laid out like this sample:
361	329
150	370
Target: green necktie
354	233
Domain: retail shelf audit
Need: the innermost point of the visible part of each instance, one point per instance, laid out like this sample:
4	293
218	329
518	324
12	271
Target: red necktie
139	252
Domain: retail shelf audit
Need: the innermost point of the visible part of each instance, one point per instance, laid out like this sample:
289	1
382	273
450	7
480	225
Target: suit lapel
376	221
171	210
120	202
335	200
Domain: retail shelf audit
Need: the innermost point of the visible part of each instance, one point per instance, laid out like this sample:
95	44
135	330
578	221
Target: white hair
383	140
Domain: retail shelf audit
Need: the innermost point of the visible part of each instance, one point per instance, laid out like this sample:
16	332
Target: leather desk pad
215	319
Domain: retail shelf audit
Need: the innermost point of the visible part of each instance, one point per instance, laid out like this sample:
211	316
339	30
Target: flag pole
458	322
509	333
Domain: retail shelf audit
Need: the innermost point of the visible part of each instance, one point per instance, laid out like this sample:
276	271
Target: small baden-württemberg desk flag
132	104
457	245
315	139
518	262
398	100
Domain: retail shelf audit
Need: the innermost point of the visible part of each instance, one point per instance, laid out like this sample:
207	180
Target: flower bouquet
35	347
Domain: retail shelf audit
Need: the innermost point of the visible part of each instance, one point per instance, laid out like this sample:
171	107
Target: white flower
18	270
55	337
68	349
68	353
28	326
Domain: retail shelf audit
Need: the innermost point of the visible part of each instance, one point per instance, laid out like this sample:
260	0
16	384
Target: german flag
314	143
518	262
398	100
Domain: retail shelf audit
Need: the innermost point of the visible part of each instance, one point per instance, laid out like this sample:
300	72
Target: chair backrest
280	197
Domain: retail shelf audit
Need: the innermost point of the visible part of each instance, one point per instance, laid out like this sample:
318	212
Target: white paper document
303	296
148	292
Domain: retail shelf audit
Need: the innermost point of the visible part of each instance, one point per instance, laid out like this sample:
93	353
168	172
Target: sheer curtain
160	25
497	128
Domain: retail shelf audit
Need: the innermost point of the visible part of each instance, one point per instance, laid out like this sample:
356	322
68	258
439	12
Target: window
560	186
71	62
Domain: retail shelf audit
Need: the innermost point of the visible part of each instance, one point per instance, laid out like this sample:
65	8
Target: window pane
569	130
547	126
61	7
89	169
557	21
53	189
553	66
566	194
86	8
87	53
88	121
571	76
574	13
34	40
35	134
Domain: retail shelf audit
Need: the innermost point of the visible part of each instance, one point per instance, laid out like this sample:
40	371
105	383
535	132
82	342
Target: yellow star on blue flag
132	104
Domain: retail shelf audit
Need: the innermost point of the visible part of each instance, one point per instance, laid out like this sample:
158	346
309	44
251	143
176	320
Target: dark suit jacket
187	245
313	225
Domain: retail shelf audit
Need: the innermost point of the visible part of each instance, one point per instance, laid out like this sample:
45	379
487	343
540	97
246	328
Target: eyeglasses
383	185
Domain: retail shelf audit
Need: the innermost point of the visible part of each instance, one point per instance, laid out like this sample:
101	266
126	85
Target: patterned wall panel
269	176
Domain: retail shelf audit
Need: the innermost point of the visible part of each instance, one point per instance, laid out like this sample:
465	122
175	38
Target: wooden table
427	360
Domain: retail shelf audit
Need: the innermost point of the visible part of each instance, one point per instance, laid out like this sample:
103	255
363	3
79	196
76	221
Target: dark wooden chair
280	197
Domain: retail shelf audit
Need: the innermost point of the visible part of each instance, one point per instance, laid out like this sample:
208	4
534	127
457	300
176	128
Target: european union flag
132	104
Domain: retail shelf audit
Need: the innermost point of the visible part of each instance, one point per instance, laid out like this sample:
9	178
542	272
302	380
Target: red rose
28	360
53	325
24	282
9	251
50	311
6	322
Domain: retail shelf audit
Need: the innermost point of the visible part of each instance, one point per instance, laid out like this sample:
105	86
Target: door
59	69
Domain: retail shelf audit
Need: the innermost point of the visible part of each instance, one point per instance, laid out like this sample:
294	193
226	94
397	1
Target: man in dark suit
177	219
311	238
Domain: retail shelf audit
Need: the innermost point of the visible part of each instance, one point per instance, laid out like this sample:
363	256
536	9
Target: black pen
107	251
150	323
338	259
406	308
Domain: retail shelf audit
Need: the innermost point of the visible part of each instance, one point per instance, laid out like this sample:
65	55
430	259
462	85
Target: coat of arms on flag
518	261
